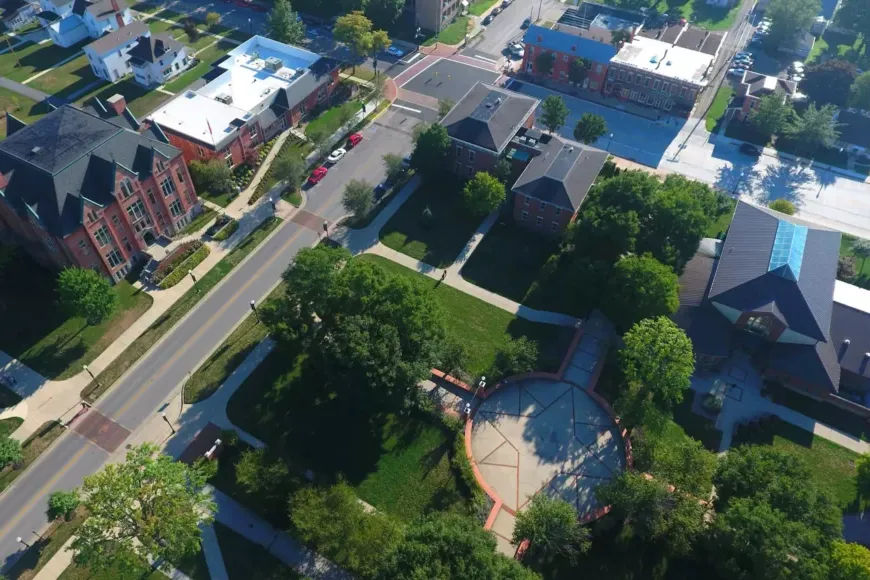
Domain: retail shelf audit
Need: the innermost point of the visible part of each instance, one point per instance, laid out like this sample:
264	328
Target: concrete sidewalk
214	559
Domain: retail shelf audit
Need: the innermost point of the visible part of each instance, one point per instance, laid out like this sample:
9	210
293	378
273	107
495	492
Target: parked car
749	149
380	190
743	59
506	3
516	49
488	20
317	175
397	52
745	53
526	23
796	66
736	72
406	161
495	11
336	155
354	140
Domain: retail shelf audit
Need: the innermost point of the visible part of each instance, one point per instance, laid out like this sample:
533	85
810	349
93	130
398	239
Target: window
102	236
573	49
611	74
554	226
674	89
665	87
459	151
92	216
160	165
127	245
593	85
469	170
539	221
638	80
525	215
470	155
527	201
558	210
151	198
759	325
622	75
83	247
682	92
565	57
530	67
201	152
116	221
160	218
126	187
669	104
114	258
598	69
49	243
531	50
629	78
180	173
457	168
228	159
253	132
633	95
656	85
543	205
136	210
167	186
175	208
648	82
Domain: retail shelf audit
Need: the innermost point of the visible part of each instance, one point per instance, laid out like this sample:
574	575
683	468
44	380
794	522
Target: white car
336	155
736	72
516	49
397	52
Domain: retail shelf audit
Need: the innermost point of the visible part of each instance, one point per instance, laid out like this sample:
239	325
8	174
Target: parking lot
448	79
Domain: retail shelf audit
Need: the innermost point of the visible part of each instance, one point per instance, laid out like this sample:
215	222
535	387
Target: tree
337	525
553	531
782	206
444	106
641	287
211	19
86	293
191	30
620	36
849	561
555	111
319	137
772	115
355	30
502	170
855	15
290	169
544	63
145	507
577	72
454	356
358	197
446	546
261	474
792	19
395	166
683	461
380	42
606	232
62	504
483	194
862	466
10	451
859	97
590	128
861	249
283	25
384	13
657	362
430	151
829	82
846	269
212	176
517	355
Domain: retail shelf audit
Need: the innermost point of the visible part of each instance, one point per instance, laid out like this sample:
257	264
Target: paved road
506	26
157	376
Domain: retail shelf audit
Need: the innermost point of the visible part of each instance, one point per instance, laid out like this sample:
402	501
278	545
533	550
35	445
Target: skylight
788	250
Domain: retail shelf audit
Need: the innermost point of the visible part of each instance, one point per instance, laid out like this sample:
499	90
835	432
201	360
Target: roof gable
488	116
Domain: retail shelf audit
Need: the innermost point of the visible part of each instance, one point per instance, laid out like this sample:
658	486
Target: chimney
119	18
118	103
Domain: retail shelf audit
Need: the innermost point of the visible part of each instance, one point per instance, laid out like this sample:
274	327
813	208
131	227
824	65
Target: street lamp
466	40
736	185
165	418
326	229
609	141
93	378
254	308
193	277
20	540
250	26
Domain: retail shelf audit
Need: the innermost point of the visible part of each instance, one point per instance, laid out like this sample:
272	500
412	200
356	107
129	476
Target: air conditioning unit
224	98
273	63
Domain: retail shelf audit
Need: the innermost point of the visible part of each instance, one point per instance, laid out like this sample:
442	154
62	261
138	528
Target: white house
71	21
108	55
156	59
17	13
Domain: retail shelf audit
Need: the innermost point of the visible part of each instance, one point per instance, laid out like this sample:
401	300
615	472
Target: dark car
526	23
749	149
488	19
380	190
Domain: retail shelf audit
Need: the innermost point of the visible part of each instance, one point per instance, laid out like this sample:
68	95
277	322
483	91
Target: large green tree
384	13
682	461
860	92
86	293
578	70
791	20
283	25
355	30
814	128
657	362
641	287
829	82
447	547
149	506
10	451
773	114
554	113
849	561
212	176
380	42
430	151
590	128
855	15
517	355
290	169
483	194
358	197
555	535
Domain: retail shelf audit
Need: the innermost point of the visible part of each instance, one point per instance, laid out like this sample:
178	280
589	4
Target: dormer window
760	325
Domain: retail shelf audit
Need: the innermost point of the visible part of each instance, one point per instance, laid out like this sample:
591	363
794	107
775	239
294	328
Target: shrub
226	231
62	504
10	451
174	259
181	271
191	29
211	19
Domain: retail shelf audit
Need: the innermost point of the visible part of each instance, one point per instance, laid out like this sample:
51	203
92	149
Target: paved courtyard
449	79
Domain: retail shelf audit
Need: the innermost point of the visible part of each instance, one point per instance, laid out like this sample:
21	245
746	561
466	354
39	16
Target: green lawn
74	572
330	120
20	107
700	13
31	449
835	44
206	57
483	328
34	58
453	34
509	260
244	559
717	108
862	265
833	467
67	79
140	100
718	228
199	222
181	307
41	551
48	340
292	146
436	241
8	426
480	6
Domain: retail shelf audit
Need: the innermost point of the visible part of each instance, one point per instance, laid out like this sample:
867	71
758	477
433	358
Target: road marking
485	59
406	108
414	57
470	62
424	69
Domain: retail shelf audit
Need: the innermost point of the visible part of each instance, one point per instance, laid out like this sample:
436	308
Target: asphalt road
140	393
505	27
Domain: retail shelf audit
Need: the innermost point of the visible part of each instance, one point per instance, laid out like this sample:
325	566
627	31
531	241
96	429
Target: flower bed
186	266
226	231
174	259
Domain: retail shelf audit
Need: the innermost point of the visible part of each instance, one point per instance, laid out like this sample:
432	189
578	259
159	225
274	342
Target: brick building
566	48
752	88
77	189
260	88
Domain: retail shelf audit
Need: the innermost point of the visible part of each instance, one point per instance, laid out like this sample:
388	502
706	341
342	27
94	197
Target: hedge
181	271
174	259
226	231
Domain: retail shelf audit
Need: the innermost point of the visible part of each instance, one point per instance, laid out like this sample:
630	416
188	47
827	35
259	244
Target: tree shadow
783	181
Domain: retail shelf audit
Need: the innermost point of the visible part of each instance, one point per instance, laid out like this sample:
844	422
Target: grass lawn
330	120
453	34
67	79
364	221
718	228
838	45
31	449
181	307
8	426
862	266
483	328
362	73
700	13
206	57
222	200
32	561
140	100
509	260
292	146
244	559
480	6
438	242
833	467
199	222
48	340
74	572
34	58
20	107
717	109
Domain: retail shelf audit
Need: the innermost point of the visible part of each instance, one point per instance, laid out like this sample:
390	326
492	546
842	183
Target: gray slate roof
153	48
562	174
117	38
97	8
742	280
488	116
69	155
854	325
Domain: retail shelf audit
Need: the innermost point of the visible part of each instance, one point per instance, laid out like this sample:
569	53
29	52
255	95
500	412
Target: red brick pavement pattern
101	430
306	219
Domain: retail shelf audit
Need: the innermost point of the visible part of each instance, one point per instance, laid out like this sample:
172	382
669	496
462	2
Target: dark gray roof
709	331
488	116
68	155
98	108
854	325
152	48
854	128
742	279
816	364
117	38
13	124
696	279
98	8
561	174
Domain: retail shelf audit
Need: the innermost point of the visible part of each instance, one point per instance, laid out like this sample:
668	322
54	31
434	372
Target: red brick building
79	190
566	48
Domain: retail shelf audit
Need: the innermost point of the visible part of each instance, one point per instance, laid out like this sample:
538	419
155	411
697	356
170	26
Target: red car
317	175
354	139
